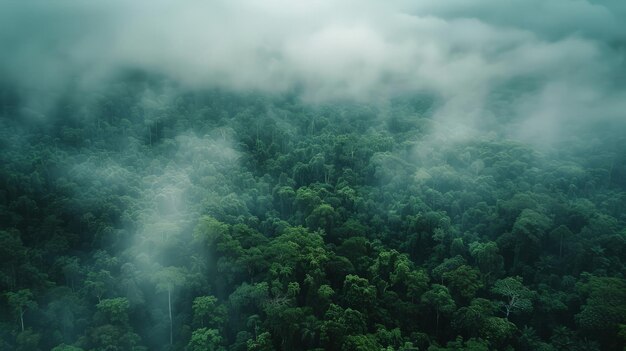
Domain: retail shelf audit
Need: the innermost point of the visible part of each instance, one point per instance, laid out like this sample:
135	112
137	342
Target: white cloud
463	51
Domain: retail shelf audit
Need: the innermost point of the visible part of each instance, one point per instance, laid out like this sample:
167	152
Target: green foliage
460	345
517	296
487	258
205	339
169	278
27	340
359	294
207	312
64	347
114	311
360	343
439	298
144	217
21	301
464	281
263	342
605	306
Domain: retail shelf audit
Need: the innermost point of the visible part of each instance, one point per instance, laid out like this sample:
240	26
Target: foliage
149	216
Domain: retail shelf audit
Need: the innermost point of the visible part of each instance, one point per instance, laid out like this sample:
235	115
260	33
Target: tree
113	337
416	284
207	312
605	307
438	297
497	330
361	343
464	280
21	301
471	319
97	283
517	296
263	342
210	231
528	231
559	234
27	340
358	292
488	258
339	323
322	217
114	311
205	339
12	252
447	265
167	280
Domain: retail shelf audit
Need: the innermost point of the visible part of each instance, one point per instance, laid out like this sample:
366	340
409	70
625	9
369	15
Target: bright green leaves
205	339
517	297
114	311
358	293
207	312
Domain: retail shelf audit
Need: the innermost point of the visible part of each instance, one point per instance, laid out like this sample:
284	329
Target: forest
151	211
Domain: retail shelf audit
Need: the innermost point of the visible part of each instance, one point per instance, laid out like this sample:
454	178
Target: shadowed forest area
372	185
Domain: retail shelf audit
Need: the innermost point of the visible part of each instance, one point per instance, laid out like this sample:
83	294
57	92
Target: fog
531	66
173	145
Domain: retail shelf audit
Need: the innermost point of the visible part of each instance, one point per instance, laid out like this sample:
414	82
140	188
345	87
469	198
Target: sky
532	66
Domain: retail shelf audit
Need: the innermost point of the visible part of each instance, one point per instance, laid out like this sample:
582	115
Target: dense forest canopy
311	175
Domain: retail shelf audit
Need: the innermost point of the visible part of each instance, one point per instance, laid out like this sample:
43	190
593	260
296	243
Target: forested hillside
279	175
147	219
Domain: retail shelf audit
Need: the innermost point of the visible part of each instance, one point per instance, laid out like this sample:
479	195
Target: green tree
21	301
517	296
114	311
207	312
488	258
559	234
605	307
361	343
528	231
27	340
471	319
322	217
438	297
167	280
464	281
263	342
205	339
97	283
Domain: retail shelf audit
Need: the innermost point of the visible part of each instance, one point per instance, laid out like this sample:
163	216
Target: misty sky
533	65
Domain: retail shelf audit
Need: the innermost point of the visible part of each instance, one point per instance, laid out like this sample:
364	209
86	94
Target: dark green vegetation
143	217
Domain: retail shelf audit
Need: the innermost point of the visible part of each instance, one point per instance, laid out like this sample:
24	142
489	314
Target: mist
560	65
280	175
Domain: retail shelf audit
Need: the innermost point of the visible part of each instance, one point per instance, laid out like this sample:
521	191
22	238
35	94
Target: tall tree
517	297
439	298
167	280
21	301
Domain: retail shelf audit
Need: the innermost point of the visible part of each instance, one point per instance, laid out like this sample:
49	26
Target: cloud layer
535	64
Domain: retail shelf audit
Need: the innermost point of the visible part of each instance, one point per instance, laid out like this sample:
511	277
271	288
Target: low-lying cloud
538	65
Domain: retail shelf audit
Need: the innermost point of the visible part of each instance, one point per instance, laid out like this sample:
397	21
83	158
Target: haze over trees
368	185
